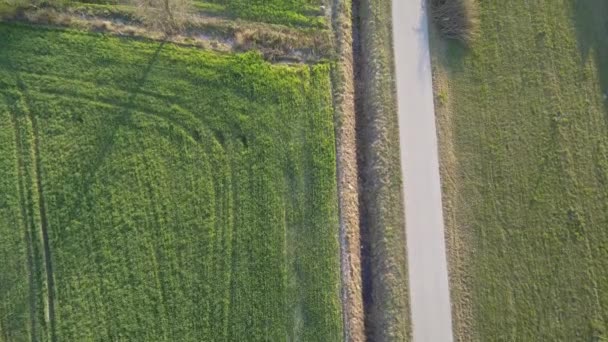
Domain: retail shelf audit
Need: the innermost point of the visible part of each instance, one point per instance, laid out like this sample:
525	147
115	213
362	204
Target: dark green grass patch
186	195
530	127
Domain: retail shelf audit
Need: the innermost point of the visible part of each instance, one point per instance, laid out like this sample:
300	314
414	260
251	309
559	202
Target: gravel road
428	272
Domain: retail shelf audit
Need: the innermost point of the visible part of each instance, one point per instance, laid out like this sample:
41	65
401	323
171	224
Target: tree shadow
75	209
449	53
95	161
123	120
125	114
591	23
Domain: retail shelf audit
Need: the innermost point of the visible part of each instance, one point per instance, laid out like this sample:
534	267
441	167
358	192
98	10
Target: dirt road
428	273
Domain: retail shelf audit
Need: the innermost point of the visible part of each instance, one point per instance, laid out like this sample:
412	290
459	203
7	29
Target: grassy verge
276	42
293	13
387	299
348	175
524	134
188	195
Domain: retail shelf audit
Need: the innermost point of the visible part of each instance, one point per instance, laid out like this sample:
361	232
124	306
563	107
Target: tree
168	16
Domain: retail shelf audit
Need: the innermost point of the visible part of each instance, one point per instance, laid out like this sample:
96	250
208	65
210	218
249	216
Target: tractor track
44	226
27	232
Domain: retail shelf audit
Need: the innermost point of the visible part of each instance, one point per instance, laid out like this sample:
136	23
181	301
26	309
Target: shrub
169	16
456	19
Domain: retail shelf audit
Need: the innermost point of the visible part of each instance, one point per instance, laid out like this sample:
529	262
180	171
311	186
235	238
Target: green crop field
287	12
156	193
529	125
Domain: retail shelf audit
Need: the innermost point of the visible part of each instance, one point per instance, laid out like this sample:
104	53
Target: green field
298	13
529	125
286	12
156	193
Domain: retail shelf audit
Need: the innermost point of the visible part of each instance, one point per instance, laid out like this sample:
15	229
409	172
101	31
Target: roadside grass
345	122
384	243
187	195
524	139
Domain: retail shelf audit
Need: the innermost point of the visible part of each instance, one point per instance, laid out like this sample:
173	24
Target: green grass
385	276
286	12
530	136
295	13
186	195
